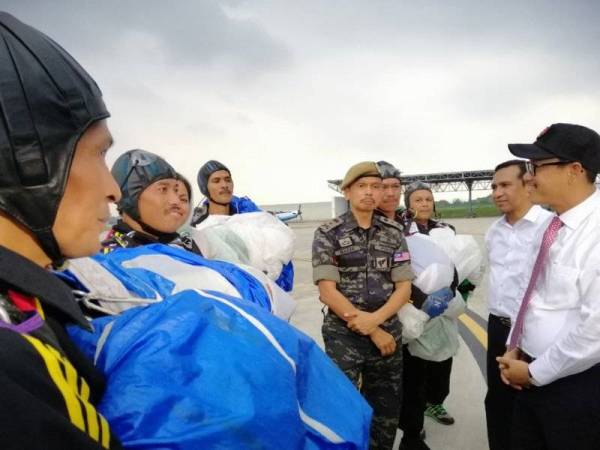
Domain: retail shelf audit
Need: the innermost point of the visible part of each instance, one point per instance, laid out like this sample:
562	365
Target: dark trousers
413	394
564	415
500	397
438	381
378	378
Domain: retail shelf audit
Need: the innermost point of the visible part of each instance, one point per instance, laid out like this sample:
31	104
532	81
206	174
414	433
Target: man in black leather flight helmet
55	189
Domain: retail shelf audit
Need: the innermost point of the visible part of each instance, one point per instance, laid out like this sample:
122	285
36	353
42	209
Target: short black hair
520	163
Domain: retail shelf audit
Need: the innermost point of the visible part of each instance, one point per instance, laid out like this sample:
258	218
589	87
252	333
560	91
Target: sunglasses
532	167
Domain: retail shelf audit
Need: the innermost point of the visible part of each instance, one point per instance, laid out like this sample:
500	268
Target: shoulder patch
328	226
390	222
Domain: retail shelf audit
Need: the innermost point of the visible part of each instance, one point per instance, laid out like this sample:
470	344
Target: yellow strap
67	384
105	431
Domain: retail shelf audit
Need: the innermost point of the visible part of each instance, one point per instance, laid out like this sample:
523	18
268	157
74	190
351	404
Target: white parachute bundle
434	270
433	259
430	263
257	239
463	251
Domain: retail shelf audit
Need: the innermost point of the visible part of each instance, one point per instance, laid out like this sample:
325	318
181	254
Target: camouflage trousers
378	378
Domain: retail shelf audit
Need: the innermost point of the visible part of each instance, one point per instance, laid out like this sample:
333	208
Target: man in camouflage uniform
362	268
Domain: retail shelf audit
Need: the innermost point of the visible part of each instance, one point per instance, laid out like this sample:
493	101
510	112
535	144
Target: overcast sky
291	93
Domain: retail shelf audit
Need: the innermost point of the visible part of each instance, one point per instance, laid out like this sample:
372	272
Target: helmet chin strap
50	246
163	238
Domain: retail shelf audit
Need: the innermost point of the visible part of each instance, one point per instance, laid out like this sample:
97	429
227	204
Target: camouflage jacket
365	264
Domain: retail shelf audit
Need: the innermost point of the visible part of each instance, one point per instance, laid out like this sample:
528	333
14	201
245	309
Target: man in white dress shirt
510	243
553	356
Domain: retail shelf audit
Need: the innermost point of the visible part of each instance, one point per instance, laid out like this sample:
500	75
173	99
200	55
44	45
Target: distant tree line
458	203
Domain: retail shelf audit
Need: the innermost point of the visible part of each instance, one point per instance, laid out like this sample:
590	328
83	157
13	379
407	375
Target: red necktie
547	240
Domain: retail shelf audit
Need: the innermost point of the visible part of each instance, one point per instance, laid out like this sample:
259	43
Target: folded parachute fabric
432	266
257	239
207	370
463	251
433	259
128	277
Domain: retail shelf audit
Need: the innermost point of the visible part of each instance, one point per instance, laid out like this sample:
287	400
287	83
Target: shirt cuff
402	273
326	272
542	372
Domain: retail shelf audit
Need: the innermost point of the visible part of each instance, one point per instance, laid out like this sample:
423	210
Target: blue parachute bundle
202	369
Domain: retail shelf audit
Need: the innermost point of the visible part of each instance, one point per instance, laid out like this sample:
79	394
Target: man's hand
513	371
384	341
362	322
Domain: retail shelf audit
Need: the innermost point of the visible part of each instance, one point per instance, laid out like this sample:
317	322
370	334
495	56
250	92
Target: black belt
503	320
526	357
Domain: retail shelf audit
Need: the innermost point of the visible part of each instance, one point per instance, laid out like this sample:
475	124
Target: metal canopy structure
473	180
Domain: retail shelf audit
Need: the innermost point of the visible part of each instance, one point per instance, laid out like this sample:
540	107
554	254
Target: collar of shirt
531	216
351	224
22	275
573	217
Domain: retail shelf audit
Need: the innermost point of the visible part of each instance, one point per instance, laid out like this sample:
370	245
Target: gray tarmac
468	385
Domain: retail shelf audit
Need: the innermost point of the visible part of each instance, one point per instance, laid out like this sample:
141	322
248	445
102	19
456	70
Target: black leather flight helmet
387	170
134	171
204	174
47	101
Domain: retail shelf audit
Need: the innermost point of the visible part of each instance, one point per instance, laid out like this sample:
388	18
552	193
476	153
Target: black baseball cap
565	141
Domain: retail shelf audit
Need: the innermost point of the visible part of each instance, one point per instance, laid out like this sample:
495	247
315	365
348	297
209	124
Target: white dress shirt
511	251
562	323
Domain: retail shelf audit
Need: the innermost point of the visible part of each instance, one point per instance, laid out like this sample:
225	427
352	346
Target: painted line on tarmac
475	328
472	328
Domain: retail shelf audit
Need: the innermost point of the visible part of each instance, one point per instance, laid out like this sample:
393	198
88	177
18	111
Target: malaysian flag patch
401	256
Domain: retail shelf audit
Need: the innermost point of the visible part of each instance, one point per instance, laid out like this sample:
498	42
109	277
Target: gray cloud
299	90
191	33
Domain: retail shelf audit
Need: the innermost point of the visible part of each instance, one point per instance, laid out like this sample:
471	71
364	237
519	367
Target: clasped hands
362	322
367	324
513	370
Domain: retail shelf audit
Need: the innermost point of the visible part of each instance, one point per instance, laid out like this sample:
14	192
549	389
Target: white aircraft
286	216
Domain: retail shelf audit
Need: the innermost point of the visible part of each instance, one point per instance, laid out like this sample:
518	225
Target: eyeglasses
531	167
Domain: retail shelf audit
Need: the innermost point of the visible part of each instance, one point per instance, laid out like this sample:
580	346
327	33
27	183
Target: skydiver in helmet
155	203
55	190
216	184
389	205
